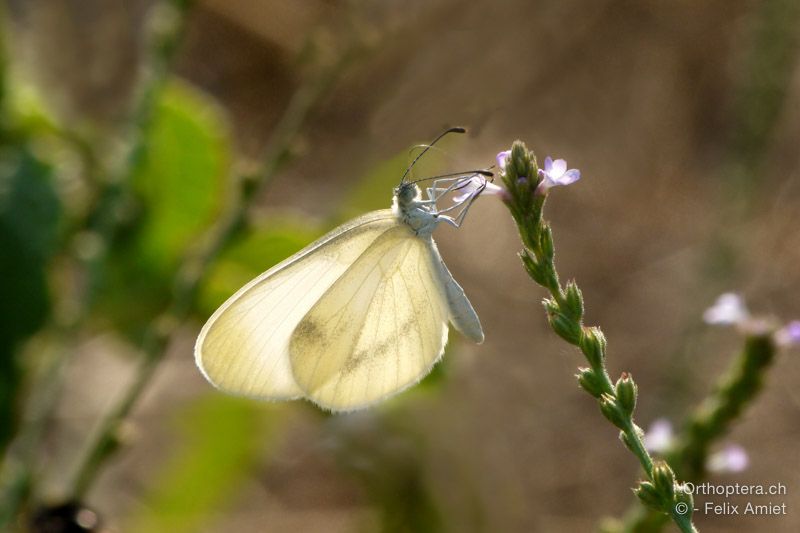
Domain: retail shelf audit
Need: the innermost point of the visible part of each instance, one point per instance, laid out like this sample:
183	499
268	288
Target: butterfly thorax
410	209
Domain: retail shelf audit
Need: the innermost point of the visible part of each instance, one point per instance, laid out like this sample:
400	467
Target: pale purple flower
789	335
732	458
659	436
729	309
501	159
473	186
556	173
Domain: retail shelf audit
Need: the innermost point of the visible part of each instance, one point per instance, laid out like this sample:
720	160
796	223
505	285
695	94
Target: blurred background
155	156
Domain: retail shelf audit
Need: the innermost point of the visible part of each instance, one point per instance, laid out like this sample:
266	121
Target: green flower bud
533	268
565	327
593	346
611	410
664	480
574	301
626	393
546	241
649	496
550	306
589	381
520	166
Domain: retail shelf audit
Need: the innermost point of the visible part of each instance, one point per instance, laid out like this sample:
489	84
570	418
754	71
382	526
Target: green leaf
221	441
29	217
181	181
180	187
29	206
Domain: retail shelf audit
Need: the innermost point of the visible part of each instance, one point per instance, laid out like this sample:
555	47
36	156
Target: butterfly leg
436	192
464	205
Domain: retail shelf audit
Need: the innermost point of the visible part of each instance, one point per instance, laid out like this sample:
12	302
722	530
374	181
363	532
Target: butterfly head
410	208
406	194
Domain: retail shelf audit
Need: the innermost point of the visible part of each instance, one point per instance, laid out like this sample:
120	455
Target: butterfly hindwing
378	329
462	315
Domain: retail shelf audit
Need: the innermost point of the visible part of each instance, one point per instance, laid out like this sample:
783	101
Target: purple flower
474	186
556	173
729	309
732	458
789	335
502	157
659	436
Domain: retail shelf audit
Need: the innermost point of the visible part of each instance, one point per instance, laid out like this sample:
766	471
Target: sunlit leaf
181	181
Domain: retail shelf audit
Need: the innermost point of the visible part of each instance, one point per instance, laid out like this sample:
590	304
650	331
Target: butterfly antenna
414	162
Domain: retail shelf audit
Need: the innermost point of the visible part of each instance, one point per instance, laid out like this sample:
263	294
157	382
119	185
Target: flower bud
566	328
574	301
611	410
520	161
649	496
533	268
589	381
546	241
626	393
593	346
664	480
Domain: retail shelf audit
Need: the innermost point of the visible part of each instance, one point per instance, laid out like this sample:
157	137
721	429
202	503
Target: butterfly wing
379	328
244	346
462	315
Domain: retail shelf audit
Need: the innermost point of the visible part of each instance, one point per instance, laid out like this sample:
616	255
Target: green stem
637	447
736	389
684	522
565	312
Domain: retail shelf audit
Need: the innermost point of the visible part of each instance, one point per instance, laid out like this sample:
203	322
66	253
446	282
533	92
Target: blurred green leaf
29	216
180	187
222	440
181	178
26	108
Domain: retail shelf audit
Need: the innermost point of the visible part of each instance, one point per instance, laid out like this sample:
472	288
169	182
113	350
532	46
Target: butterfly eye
406	193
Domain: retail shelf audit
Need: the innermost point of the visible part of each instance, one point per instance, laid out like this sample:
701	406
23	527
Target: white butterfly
353	318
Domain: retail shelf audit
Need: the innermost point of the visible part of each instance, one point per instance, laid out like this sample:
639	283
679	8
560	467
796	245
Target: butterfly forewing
378	329
244	346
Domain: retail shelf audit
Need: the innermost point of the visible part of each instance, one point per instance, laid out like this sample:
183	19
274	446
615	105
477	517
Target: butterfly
353	318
